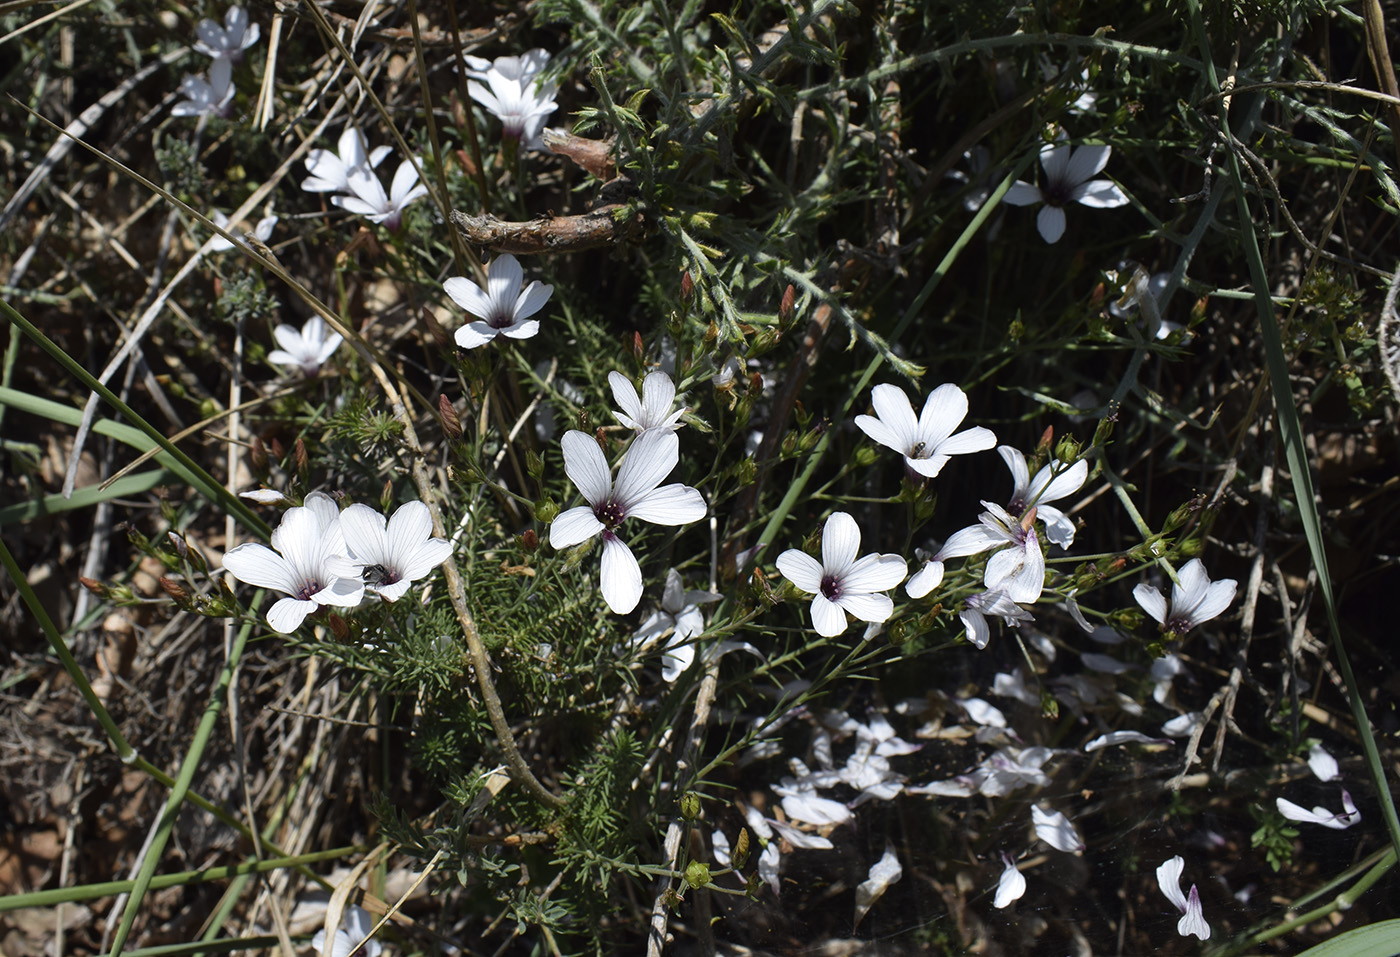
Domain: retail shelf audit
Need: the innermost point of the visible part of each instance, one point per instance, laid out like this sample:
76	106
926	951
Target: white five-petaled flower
841	582
231	39
308	349
307	561
650	410
1195	599
396	553
367	196
928	441
351	937
1055	829
635	494
1011	885
1192	921
1018	567
207	96
1053	482
218	244
510	88
996	604
503	309
330	172
1320	815
1068	179
680	615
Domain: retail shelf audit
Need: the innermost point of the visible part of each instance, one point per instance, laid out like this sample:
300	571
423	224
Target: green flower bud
690	806
697	874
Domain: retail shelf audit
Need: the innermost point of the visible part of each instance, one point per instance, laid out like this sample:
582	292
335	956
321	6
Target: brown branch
552	234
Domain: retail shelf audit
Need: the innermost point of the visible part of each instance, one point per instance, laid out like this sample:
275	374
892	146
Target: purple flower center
831	587
501	320
308	588
1177	625
1055	192
610	513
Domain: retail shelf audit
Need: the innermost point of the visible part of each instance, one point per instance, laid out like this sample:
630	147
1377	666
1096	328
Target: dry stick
457	594
704	698
1379	55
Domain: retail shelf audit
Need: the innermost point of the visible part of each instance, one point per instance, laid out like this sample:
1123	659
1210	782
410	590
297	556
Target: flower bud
788	305
172	588
687	286
528	540
303	460
276	450
257	457
451	421
386	497
763	342
639	350
181	547
747	472
440	337
338	627
1067	450
546	510
534	465
697	874
690	805
755	883
740	855
93	585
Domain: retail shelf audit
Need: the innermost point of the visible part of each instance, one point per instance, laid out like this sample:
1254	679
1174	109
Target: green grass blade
84	497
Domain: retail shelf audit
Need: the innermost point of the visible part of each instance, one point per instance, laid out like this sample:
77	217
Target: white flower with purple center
1195	599
394	553
307	562
368	199
1068	179
306	349
212	96
635	494
649	410
841	582
1053	482
510	88
503	308
928	441
330	172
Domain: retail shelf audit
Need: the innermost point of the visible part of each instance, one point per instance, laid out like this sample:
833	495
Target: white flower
1053	482
308	349
1163	671
396	553
264	496
230	40
997	604
352	937
1182	724
510	88
219	244
927	442
207	96
679	614
650	410
1055	829
330	172
1323	764
883	873
503	308
1018	567
1192	921
370	201
840	582
1320	815
1122	737
1011	885
1068	179
635	494
307	561
1195	599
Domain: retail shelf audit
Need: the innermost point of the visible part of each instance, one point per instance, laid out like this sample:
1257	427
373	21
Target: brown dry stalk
551	234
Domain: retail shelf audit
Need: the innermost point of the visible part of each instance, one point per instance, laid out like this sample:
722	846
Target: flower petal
256	564
1011	885
827	618
874	573
574	526
867	607
469	296
649	459
621	578
925	580
893	408
287	614
586	467
944	410
1022	194
840	543
801	569
1169	880
669	505
1099	194
1151	601
1085	163
1050	222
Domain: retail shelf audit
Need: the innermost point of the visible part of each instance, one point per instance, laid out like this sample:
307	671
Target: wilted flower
1320	815
1068	179
1055	829
207	96
841	582
396	553
679	614
510	88
650	410
307	562
227	41
996	604
330	172
1195	599
369	200
928	441
1011	885
352	937
1017	568
1192	921
218	244
635	494
308	349
883	873
503	308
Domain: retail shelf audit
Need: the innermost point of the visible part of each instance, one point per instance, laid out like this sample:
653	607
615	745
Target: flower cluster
225	45
321	556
